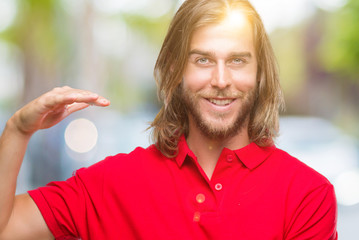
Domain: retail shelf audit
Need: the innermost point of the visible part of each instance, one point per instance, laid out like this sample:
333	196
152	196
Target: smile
221	102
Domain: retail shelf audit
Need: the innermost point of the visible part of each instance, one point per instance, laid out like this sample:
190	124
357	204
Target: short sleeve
67	205
316	216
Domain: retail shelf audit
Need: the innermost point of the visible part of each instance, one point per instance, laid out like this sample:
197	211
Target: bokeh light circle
347	188
81	135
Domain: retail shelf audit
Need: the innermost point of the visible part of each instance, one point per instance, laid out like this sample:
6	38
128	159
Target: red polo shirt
255	193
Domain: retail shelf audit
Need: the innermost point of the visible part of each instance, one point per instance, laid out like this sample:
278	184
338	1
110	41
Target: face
220	78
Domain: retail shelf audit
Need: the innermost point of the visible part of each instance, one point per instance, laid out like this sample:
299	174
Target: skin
20	218
221	66
218	87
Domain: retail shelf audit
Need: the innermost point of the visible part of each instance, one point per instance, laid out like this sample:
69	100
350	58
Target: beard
216	127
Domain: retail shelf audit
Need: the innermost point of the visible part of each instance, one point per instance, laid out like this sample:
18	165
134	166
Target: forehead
231	34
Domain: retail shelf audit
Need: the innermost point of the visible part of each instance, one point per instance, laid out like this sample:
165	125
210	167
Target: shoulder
140	158
311	206
122	167
138	155
295	175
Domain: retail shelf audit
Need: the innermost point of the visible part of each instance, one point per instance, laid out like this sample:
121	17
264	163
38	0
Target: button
229	158
196	217
218	187
200	198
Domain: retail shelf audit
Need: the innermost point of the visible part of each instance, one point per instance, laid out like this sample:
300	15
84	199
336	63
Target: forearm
13	144
41	113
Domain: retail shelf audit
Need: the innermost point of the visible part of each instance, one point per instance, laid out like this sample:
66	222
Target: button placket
199	206
196	217
200	198
229	158
218	186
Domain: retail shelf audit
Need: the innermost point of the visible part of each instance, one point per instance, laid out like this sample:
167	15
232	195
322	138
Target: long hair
172	120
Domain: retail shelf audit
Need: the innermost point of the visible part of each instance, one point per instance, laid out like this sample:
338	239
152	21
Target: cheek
196	79
245	80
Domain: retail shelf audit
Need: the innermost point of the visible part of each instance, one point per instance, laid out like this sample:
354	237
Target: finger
77	96
58	114
101	102
91	100
74	107
55	99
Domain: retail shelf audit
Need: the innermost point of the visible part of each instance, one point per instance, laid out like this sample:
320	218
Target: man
214	171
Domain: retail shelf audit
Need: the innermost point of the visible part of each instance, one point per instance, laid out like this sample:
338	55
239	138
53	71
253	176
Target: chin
219	130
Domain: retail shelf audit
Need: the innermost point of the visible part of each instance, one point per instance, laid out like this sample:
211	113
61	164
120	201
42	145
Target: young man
214	172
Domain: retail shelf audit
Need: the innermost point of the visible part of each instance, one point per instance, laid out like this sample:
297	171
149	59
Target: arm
316	217
20	217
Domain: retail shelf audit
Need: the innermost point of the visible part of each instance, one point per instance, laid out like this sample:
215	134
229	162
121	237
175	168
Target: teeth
221	102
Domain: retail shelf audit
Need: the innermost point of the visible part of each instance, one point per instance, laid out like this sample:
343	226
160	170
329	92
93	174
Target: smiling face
219	81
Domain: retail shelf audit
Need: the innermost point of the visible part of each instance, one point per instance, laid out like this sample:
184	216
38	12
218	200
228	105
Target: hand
52	107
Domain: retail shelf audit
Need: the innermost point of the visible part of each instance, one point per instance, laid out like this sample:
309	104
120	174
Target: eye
237	61
202	60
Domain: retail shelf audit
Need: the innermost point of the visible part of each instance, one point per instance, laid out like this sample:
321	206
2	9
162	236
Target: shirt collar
183	151
251	155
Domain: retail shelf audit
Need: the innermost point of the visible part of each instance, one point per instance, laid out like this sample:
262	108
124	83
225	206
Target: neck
208	150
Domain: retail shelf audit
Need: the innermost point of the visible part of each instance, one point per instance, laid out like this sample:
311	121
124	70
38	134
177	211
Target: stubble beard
215	130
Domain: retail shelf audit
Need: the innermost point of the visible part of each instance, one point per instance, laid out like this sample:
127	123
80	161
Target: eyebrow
212	54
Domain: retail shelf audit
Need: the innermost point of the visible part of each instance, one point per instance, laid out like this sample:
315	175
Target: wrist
13	126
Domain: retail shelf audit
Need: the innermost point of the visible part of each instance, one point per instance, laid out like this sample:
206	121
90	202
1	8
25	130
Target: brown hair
171	122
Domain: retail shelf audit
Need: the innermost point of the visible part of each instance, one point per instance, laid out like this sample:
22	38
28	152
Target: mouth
220	102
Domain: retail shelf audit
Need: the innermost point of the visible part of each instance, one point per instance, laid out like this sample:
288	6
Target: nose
221	76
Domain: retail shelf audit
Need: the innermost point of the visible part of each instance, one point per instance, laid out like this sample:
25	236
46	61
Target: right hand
52	107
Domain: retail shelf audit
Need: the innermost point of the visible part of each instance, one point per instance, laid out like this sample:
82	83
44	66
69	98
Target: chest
181	203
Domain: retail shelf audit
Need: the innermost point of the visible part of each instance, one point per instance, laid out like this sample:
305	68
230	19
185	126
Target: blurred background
111	46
